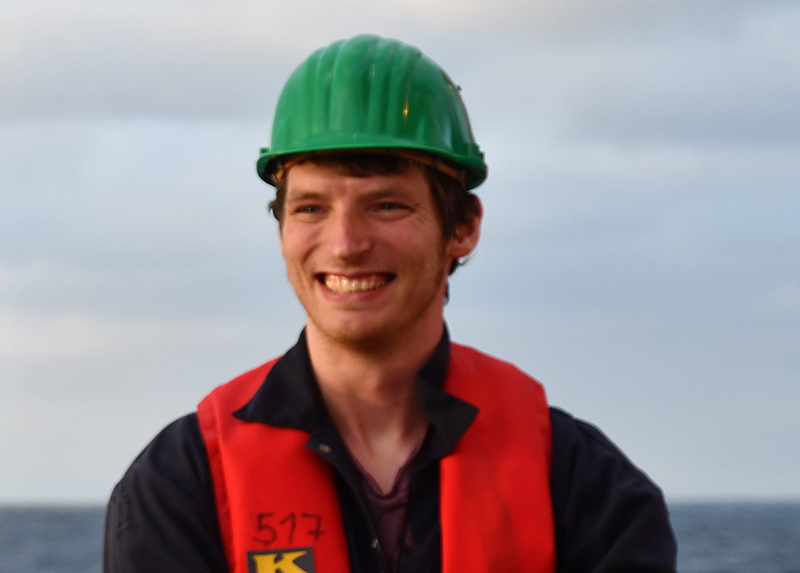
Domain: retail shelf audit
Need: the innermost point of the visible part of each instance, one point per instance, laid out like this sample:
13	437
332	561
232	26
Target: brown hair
454	204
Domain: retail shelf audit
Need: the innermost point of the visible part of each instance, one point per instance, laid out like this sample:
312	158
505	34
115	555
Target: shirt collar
290	398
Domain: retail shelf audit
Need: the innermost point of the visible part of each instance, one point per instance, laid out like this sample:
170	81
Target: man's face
366	255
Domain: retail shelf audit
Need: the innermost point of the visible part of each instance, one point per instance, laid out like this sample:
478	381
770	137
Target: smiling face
366	256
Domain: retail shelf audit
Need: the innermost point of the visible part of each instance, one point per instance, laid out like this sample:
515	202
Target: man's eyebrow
387	192
378	193
304	195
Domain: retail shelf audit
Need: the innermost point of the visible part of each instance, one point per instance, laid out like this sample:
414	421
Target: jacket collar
290	397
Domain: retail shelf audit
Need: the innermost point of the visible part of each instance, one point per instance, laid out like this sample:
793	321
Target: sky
640	253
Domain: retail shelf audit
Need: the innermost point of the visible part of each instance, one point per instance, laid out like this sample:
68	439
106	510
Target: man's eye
389	206
311	209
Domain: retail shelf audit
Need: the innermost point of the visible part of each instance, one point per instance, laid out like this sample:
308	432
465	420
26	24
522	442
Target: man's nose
349	235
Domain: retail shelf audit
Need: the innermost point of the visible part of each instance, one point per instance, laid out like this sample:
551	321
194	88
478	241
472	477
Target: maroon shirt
388	511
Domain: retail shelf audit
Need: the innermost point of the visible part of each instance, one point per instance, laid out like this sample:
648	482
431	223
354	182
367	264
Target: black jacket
609	517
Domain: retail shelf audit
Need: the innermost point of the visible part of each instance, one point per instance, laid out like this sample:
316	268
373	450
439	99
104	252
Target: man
375	444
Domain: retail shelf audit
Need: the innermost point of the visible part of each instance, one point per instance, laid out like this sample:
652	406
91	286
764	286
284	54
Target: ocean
712	538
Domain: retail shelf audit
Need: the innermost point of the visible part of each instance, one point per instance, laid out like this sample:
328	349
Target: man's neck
372	397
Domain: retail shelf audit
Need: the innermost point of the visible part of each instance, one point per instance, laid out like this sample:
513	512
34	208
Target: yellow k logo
283	561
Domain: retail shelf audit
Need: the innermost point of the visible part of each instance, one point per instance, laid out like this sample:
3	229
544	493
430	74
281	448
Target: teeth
340	284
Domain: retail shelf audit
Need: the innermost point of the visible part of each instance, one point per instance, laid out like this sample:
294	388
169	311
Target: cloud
593	65
680	75
144	217
705	91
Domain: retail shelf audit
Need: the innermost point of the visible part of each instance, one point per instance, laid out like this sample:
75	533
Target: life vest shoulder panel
496	509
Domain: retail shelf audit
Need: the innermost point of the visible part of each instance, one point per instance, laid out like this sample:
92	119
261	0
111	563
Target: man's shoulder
177	453
583	444
605	508
161	515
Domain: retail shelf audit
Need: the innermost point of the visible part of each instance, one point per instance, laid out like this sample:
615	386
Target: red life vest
279	509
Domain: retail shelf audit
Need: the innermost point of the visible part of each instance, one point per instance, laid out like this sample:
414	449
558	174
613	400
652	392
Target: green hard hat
369	93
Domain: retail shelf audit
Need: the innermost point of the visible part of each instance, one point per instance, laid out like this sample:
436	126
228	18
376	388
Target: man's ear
467	234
